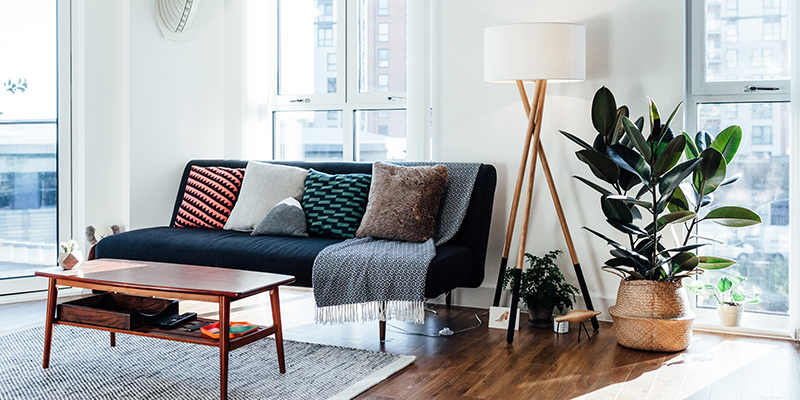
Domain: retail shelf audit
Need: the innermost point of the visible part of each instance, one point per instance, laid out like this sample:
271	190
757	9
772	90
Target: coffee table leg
113	339
276	320
52	296
224	344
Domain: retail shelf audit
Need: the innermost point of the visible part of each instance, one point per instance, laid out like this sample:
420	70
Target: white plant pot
730	315
562	327
70	260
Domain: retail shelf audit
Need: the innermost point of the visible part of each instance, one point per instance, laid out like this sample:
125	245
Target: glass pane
308	135
763	163
382	46
746	40
381	135
28	99
307	46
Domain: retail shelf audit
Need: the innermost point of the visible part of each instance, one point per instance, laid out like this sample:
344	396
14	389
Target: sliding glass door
28	142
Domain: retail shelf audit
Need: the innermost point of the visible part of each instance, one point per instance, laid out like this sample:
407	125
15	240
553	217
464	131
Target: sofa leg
383	331
448	299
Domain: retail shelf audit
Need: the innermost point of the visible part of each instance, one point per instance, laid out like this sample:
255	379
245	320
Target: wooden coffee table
173	281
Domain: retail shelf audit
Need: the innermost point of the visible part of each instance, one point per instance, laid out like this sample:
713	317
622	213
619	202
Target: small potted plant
542	288
70	257
730	297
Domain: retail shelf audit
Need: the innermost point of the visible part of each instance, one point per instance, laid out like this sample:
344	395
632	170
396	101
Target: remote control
170	321
197	326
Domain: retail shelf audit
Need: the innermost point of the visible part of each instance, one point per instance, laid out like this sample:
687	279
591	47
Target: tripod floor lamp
538	52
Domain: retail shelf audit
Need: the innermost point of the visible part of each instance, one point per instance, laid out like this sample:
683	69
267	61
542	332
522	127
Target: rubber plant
642	189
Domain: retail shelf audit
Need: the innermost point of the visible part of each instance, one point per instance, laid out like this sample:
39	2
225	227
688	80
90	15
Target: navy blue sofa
458	263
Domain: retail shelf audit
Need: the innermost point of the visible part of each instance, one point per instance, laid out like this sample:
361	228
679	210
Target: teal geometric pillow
334	204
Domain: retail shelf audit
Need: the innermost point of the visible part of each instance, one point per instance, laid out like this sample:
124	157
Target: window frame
698	91
348	99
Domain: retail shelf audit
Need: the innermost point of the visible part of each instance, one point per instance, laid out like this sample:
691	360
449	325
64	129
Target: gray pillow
285	219
264	185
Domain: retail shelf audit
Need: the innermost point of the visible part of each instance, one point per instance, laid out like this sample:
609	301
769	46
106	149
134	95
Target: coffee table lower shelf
178	333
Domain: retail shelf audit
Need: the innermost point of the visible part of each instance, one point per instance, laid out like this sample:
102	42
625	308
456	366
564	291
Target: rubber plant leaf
634	134
593	185
604	111
665	127
684	262
678	201
670	156
711	262
710	173
601	166
630	160
655	120
731	179
703	140
728	141
672	179
733	216
630	200
691	149
671	218
616	210
619	129
577	140
627	227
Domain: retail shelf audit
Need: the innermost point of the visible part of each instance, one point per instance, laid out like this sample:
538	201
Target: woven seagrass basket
653	316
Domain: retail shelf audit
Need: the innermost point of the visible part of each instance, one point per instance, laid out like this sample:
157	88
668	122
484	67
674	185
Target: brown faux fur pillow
403	202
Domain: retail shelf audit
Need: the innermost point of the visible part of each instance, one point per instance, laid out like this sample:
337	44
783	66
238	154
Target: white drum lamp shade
531	51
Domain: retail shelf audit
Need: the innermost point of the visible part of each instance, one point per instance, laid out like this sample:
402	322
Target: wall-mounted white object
177	18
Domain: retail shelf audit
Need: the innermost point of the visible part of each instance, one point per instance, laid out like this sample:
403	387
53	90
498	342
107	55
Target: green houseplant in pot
642	193
542	288
729	295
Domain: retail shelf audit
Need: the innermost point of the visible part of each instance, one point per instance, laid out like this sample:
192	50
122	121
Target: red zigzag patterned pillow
208	197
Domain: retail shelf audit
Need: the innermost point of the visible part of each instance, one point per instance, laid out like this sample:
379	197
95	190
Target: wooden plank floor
478	364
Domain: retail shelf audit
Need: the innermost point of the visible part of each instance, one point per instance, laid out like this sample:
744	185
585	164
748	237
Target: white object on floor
499	316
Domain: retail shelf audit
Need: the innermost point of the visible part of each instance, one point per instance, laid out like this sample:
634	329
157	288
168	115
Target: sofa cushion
403	202
334	204
285	219
264	186
277	254
208	197
218	248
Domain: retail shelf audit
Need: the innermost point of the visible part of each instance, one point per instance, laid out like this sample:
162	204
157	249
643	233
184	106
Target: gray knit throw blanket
366	279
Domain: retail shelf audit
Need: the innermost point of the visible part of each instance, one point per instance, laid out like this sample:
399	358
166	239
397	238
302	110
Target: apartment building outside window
331	96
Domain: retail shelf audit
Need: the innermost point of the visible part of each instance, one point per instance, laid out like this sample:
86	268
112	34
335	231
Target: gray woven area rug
84	366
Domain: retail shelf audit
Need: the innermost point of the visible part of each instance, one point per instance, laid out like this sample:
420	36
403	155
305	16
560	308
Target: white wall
634	47
149	106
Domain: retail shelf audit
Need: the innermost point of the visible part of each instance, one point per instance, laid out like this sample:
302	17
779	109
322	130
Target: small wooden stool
578	316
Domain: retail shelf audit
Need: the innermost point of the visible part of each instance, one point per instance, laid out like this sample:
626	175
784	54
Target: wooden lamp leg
518	187
567	236
542	89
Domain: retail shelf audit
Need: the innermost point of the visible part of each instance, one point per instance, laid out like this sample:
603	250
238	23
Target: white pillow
264	185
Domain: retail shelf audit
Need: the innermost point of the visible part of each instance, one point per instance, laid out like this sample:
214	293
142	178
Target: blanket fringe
405	311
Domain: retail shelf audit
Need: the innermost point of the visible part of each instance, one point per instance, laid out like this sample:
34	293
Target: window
383	31
383	8
731	8
772	31
762	58
715	96
732	33
34	169
731	59
383	82
325	37
332	62
383	58
762	111
330	94
762	135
